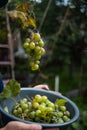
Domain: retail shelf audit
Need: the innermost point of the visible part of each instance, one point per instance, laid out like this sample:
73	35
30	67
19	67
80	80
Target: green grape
38	57
35	67
32	45
27	40
37	62
44	98
29	105
42	51
65	118
24	100
24	106
60	114
35	104
31	63
26	111
38	112
19	110
60	120
63	108
34	100
43	103
21	102
32	115
38	98
26	45
67	113
50	104
37	37
16	106
28	51
15	112
41	107
49	109
38	53
41	43
37	49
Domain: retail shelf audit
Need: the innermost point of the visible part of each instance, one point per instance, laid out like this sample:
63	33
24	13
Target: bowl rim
77	113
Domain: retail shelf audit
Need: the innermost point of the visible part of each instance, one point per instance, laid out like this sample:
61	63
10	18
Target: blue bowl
31	92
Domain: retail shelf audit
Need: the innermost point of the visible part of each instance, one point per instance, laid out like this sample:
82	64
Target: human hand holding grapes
42	86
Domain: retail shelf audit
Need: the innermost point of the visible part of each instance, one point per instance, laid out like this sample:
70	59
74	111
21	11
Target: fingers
43	86
15	125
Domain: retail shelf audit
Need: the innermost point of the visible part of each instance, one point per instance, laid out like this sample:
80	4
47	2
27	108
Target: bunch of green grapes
41	109
34	47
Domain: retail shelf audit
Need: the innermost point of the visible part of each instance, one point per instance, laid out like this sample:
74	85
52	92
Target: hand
15	125
42	86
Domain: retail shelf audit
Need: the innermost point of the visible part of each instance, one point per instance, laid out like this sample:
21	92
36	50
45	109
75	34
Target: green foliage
81	124
3	35
11	89
61	102
23	14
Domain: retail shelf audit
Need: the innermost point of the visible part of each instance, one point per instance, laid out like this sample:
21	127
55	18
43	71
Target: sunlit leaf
23	13
32	22
60	102
14	87
2	96
6	109
7	91
11	89
24	7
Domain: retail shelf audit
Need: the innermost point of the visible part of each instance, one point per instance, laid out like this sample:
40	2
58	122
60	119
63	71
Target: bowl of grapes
47	108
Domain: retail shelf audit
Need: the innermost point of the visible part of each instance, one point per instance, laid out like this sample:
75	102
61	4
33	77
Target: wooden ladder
9	46
10	60
7	62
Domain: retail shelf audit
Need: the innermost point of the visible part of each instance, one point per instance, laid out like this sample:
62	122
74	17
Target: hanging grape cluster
34	47
41	109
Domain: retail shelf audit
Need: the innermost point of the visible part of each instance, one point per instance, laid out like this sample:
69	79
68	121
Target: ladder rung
5	63
4	46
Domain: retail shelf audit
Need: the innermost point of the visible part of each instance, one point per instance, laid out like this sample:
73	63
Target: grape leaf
11	89
23	14
60	102
6	109
2	96
24	7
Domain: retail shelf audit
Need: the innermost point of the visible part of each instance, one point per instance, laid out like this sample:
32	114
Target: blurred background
63	27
